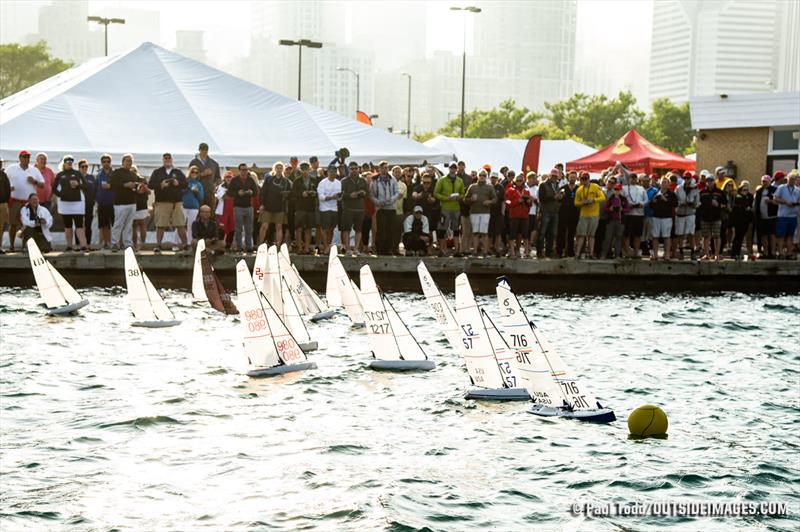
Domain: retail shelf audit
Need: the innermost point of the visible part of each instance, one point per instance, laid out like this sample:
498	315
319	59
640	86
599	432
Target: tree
548	132
669	126
23	66
498	123
596	119
424	136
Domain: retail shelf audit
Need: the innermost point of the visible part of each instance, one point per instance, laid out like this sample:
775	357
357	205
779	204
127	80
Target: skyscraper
721	46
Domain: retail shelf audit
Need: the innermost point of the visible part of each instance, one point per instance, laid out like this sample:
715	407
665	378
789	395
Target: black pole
299	71
106	26
358	92
408	126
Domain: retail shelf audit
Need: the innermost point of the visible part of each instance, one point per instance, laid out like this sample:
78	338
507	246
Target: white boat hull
156	324
324	315
68	309
309	346
498	394
600	415
280	370
402	365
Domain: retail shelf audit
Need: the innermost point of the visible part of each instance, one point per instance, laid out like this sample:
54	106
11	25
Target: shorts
479	223
710	228
277	218
328	219
14	208
587	226
634	225
496	224
72	219
684	225
168	214
304	219
3	215
785	226
351	220
105	216
450	220
661	227
766	226
140	215
517	227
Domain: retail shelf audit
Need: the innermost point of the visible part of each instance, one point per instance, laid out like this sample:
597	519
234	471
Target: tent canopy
149	101
507	152
635	152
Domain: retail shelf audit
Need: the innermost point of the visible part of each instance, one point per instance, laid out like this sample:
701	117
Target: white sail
332	294
357	292
502	353
160	309
318	303
296	288
198	289
272	282
409	347
285	252
379	328
291	314
138	297
442	311
475	345
260	266
352	306
543	373
43	274
258	345
285	343
67	291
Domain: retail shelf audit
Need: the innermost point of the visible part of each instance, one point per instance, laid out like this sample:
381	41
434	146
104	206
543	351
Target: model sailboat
146	304
393	345
489	362
206	285
306	299
348	292
332	295
268	345
58	295
553	387
442	311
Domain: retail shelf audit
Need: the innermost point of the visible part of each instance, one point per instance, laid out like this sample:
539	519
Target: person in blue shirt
192	199
104	198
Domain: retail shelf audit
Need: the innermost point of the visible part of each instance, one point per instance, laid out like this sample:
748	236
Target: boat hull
402	365
498	394
68	309
309	346
324	315
601	415
281	370
156	324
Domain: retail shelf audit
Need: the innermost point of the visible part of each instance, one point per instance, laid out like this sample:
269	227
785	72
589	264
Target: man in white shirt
788	198
636	197
25	179
329	191
36	221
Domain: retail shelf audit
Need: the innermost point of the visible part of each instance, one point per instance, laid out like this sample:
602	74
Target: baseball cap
417	208
766	179
555	171
779	175
452	165
203	146
709	177
24	153
719	169
487	166
531	173
617	187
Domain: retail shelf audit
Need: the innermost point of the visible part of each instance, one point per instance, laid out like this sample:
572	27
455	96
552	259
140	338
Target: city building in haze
702	47
190	44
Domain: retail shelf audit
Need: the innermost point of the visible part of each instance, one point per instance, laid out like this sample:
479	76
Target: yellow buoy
648	420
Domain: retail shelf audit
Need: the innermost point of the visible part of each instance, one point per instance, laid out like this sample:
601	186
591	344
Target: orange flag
362	117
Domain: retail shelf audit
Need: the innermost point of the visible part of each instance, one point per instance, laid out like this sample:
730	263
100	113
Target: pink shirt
46	192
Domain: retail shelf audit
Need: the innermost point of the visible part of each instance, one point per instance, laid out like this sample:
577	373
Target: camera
342	154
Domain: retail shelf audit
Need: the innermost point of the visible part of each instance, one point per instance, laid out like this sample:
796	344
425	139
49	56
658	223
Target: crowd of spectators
394	210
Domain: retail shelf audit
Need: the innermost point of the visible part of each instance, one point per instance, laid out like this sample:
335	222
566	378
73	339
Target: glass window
784	139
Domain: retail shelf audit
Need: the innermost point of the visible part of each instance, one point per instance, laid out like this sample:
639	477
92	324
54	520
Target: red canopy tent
635	152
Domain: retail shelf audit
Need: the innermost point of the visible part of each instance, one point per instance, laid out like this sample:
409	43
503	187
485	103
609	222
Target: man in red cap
25	179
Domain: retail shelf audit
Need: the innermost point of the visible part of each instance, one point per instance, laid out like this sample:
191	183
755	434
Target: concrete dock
565	276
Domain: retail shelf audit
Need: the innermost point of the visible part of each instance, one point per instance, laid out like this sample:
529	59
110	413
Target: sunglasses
84	166
69	160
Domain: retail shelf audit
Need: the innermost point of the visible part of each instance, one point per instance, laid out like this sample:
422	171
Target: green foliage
669	126
424	136
22	66
596	119
547	131
498	123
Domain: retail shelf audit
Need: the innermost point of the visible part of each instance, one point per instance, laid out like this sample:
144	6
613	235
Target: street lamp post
302	42
408	123
105	22
468	9
358	85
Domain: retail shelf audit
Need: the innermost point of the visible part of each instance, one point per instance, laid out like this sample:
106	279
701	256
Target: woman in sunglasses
69	188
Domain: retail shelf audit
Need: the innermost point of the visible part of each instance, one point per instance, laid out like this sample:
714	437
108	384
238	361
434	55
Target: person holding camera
304	192
274	192
69	189
192	199
36	224
615	207
518	202
329	192
169	184
124	183
663	205
139	232
354	190
480	197
242	189
384	193
588	198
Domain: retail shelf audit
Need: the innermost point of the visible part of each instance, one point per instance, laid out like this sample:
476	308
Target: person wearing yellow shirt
588	197
721	176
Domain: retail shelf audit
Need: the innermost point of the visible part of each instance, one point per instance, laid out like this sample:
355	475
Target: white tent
150	101
508	152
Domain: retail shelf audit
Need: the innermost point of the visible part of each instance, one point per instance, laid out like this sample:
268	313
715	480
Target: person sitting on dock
36	223
205	228
416	233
